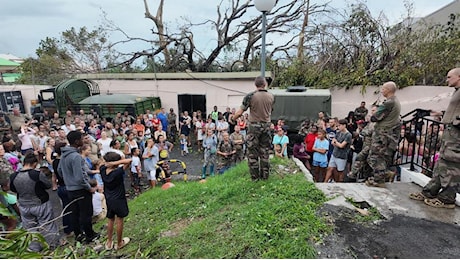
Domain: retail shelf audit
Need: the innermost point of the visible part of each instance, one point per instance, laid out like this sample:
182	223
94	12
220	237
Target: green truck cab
77	94
295	104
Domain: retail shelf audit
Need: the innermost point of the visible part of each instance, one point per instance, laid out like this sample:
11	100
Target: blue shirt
281	140
320	144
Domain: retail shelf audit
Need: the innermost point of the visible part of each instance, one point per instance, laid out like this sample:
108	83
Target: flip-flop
417	196
438	204
124	242
108	246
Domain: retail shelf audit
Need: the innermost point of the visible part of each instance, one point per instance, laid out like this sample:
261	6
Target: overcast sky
24	23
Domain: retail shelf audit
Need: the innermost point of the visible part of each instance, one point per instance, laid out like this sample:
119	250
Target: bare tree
235	29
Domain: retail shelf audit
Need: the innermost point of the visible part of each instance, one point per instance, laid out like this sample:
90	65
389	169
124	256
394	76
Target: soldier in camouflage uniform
5	172
225	150
4	126
440	192
385	138
6	168
238	140
259	136
360	168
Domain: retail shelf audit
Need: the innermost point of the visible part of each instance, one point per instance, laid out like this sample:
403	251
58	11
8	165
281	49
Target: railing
420	141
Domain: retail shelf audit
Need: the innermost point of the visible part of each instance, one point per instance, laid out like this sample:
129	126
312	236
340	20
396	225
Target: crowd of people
78	157
84	153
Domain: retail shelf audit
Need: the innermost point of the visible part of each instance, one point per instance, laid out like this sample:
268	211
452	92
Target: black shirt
114	187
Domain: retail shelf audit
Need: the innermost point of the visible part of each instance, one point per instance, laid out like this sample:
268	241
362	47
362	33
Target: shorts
117	208
337	163
320	164
151	175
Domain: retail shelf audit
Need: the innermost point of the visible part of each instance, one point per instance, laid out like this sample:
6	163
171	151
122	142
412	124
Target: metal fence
420	141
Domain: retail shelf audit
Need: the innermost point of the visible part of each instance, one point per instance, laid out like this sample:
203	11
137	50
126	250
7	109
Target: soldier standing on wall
259	134
441	190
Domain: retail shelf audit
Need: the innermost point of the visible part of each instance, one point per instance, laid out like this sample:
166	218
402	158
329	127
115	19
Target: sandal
418	196
124	242
108	246
438	204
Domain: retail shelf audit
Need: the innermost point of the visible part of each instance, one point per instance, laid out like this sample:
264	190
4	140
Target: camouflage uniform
360	168
4	127
239	154
446	175
225	161
5	171
385	138
259	136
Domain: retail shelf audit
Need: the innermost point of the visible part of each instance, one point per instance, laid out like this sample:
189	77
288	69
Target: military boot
372	183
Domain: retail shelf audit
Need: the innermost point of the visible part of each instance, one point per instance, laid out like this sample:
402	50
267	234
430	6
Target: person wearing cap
259	133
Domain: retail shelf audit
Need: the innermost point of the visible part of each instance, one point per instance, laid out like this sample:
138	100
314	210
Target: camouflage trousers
258	142
239	155
445	182
360	168
383	147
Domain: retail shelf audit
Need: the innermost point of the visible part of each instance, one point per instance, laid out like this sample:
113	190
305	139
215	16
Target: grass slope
228	216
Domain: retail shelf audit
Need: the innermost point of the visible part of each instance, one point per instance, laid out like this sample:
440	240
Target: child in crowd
278	148
226	151
136	169
300	152
183	145
320	148
99	204
114	190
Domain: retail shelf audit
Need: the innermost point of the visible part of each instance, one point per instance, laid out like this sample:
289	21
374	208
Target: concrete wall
229	93
29	93
218	92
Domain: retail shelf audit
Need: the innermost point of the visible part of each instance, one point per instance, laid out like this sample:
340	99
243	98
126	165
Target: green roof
10	77
7	65
4	62
112	99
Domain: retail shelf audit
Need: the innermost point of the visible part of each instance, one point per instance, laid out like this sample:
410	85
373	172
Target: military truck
77	94
297	103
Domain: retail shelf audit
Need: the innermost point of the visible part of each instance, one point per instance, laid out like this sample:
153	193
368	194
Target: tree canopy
315	45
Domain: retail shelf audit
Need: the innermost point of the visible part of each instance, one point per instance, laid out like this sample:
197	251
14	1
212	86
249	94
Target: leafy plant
15	244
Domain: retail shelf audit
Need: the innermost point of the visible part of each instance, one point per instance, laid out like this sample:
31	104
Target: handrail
420	141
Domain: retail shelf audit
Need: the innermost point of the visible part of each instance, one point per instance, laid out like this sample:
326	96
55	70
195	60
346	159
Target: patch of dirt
177	227
399	237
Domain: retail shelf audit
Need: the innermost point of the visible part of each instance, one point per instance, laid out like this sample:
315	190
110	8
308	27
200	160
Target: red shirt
310	141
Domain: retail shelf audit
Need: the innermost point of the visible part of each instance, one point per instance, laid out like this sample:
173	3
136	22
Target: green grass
228	216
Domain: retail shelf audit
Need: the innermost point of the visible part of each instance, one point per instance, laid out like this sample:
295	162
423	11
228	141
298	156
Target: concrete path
389	201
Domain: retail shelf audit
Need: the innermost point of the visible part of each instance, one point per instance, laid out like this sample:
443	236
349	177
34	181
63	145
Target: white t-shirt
105	145
97	203
136	161
199	127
